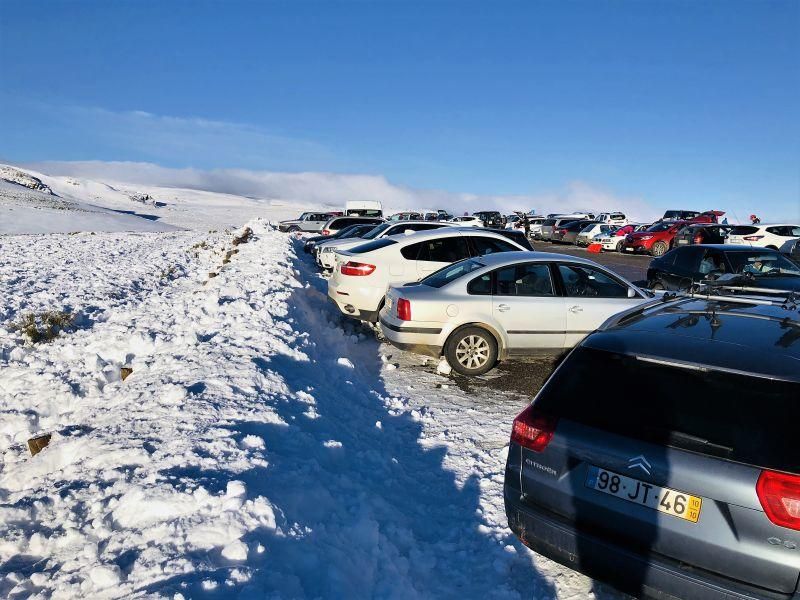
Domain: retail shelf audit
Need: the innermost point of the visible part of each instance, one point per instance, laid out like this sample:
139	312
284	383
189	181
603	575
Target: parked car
443	215
702	234
680	215
612	218
307	221
535	225
688	484
350	231
327	251
336	223
568	233
482	310
655	240
774	235
759	267
468	221
692	216
513	221
491	218
362	274
592	232
546	229
363	208
406	216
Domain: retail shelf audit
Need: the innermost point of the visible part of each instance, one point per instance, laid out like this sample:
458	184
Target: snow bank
260	447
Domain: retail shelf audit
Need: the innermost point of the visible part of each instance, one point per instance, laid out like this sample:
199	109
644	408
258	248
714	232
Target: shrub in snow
43	327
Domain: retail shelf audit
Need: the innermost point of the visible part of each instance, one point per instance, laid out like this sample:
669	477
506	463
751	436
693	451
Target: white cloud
333	189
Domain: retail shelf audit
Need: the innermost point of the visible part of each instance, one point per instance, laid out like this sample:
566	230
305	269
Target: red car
655	240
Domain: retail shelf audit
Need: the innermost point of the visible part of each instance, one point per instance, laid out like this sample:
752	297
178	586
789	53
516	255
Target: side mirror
632	293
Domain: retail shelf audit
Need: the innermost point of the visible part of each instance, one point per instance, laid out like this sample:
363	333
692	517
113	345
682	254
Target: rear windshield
734	417
373	245
451	273
377	231
743	230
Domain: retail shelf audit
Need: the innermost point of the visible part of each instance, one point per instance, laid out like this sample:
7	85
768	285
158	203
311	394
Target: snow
262	446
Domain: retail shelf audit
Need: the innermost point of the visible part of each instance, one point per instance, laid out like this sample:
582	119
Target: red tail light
779	494
752	238
533	429
357	268
326	232
403	309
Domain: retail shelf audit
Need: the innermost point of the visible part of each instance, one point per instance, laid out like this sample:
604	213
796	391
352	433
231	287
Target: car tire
620	246
471	351
659	249
293	229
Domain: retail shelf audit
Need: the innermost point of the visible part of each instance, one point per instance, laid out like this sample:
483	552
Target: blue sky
681	103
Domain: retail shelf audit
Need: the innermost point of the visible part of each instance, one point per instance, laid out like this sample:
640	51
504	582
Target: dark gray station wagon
683	480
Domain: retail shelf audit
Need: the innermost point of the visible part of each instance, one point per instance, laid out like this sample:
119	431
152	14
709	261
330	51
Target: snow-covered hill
261	447
33	202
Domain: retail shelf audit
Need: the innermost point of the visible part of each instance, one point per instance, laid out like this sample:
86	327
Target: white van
363	208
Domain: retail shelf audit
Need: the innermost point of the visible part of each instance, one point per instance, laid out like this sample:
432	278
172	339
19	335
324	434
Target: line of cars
690	491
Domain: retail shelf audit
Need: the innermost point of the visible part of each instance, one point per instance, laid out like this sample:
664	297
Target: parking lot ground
631	266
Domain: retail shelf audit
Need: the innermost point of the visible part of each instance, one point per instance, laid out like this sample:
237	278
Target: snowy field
262	445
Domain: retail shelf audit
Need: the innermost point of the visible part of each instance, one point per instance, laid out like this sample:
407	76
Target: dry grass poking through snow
44	326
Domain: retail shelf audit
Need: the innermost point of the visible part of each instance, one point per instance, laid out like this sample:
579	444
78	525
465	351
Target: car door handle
575	309
503	307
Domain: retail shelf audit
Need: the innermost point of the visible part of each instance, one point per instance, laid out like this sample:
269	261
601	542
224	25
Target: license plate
388	302
665	500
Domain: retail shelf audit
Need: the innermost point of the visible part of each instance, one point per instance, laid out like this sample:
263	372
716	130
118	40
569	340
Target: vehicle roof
768	225
727	334
421	236
376	219
506	258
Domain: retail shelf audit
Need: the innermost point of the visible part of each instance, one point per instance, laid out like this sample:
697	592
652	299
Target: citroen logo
640	462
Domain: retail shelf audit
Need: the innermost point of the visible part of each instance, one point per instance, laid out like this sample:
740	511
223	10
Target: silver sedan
481	310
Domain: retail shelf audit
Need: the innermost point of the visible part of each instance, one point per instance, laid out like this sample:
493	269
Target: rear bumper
420	340
642	576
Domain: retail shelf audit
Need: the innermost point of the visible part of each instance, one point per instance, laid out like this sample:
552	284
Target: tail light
779	494
326	232
533	429
698	239
357	269
404	309
752	238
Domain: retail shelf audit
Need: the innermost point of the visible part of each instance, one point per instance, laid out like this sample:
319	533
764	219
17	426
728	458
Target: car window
744	230
480	286
720	403
686	259
712	262
794	231
377	231
587	282
486	245
447	250
658	227
531	279
762	263
451	273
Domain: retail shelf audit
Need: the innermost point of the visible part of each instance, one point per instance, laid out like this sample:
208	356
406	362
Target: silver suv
686	483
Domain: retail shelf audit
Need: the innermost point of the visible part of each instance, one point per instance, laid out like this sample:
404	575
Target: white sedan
362	275
482	310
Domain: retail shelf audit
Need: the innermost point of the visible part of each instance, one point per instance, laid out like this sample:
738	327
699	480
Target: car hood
290	222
